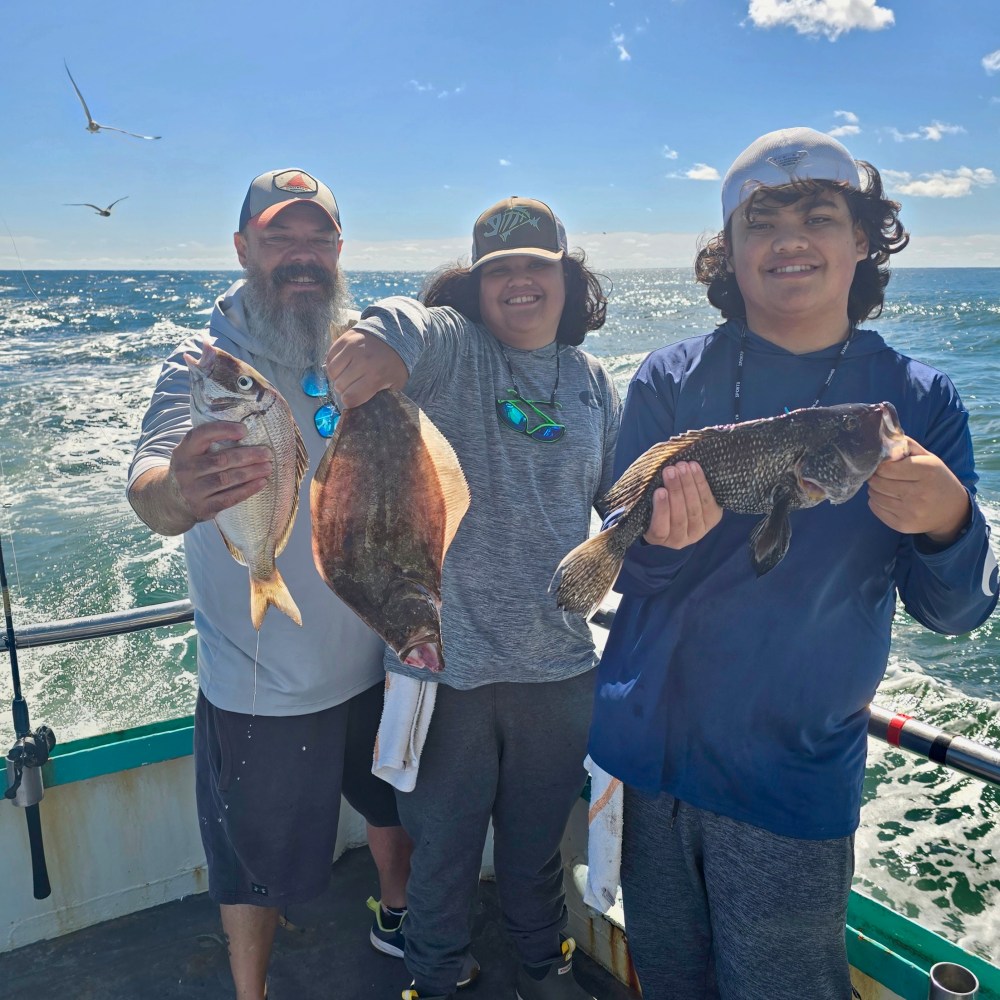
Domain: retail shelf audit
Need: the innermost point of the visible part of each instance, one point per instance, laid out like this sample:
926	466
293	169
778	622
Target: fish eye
244	383
851	422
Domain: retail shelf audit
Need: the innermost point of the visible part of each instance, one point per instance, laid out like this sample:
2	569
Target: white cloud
933	132
841	130
940	184
618	40
991	63
821	17
848	116
453	92
421	88
669	154
504	163
702	172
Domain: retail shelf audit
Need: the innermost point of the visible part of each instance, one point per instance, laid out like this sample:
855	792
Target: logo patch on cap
295	182
504	223
789	161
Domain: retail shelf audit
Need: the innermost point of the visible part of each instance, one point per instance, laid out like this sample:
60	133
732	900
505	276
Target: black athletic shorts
268	792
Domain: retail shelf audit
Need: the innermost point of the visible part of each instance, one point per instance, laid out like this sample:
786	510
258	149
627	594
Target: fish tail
264	593
586	574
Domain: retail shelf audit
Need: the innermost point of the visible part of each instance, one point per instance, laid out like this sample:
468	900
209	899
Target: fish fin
451	478
233	551
634	481
585	575
301	467
264	593
770	538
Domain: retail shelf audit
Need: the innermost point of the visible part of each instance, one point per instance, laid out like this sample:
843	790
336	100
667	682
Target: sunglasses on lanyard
316	385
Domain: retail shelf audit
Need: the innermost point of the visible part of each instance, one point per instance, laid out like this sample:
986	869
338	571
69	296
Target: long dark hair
877	215
585	309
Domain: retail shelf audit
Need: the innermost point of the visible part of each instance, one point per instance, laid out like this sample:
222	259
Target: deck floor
176	952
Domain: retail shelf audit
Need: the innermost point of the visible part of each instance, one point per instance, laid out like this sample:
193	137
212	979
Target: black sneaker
388	940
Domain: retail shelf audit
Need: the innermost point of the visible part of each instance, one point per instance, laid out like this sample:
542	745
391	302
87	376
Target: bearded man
286	718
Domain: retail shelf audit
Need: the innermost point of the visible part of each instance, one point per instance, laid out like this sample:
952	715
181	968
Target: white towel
406	715
604	840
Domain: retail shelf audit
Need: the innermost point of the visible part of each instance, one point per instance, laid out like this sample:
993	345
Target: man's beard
296	332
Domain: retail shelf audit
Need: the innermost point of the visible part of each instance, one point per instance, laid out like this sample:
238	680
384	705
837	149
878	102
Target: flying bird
93	126
100	211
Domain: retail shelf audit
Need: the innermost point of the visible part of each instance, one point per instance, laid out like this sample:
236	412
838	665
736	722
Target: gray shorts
718	908
268	793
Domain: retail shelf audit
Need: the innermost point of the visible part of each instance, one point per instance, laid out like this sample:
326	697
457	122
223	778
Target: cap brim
262	219
519	252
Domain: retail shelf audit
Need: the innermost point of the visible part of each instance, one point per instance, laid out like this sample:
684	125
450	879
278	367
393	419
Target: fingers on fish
268	593
387	500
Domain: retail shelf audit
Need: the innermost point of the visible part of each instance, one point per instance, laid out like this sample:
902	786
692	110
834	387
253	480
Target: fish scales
387	499
770	466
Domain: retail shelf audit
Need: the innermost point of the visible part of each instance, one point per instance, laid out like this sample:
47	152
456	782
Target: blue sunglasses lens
512	415
548	432
326	419
314	384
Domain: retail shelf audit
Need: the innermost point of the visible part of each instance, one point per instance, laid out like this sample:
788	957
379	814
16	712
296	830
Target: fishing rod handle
39	871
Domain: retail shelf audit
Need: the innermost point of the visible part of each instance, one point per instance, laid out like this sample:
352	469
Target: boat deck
176	952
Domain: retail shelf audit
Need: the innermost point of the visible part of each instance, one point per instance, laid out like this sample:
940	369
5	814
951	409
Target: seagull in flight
100	211
93	126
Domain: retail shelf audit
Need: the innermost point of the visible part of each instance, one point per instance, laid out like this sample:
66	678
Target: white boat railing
895	728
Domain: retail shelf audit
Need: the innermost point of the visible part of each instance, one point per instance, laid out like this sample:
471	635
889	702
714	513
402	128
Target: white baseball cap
781	157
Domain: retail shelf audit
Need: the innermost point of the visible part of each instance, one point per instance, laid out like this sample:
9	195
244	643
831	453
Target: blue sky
420	113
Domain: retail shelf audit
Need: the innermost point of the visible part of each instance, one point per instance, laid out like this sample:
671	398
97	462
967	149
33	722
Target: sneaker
388	940
557	983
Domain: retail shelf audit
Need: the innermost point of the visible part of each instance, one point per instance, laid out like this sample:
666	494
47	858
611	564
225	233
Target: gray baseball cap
277	189
782	157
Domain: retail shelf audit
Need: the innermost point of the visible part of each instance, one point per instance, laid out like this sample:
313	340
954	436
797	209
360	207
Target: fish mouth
424	652
894	446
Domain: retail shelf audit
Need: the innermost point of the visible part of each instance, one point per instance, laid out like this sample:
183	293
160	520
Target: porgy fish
387	499
770	466
256	529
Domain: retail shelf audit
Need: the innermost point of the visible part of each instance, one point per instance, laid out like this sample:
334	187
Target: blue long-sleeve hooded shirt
749	696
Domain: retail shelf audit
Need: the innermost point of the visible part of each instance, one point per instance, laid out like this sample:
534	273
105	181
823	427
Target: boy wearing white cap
735	708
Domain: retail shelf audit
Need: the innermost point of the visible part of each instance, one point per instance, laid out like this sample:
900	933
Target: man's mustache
314	272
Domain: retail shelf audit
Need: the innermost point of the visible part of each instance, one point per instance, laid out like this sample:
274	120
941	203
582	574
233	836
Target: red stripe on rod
895	727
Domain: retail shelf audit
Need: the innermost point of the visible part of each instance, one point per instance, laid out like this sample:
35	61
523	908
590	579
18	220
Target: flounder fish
387	499
770	466
256	529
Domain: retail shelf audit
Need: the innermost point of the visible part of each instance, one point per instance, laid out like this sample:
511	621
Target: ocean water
79	354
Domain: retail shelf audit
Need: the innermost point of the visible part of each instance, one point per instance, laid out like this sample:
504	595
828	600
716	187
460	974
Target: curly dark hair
869	207
586	302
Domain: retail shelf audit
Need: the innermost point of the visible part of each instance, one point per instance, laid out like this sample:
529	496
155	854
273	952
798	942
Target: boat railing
895	728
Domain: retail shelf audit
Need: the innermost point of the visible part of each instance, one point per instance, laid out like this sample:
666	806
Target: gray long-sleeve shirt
531	500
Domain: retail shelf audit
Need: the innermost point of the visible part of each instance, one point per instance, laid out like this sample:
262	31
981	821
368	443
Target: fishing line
256	654
20	267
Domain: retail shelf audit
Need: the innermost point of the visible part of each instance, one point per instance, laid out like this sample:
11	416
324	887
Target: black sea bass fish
770	466
387	499
256	529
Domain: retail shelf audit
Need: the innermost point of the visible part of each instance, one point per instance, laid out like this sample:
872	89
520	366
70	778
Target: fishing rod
26	757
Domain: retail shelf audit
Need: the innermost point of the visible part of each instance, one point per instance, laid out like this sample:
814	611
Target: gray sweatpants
513	752
715	908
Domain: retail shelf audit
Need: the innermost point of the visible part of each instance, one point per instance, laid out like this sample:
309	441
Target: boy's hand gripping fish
770	466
